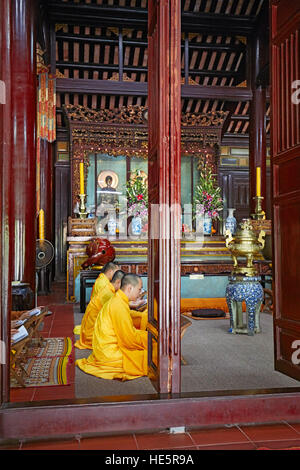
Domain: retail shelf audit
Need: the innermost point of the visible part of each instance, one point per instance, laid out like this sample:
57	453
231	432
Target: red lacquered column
5	194
23	142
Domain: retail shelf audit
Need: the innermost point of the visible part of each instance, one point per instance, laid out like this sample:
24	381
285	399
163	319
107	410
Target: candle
81	178
258	188
41	225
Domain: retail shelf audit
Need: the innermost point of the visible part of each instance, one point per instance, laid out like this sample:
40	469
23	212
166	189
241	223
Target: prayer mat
43	372
206	314
52	347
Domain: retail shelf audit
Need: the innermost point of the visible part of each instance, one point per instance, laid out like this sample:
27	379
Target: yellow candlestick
81	178
41	225
258	182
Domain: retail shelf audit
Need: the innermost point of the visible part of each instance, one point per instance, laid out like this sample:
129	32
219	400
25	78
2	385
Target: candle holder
82	207
259	213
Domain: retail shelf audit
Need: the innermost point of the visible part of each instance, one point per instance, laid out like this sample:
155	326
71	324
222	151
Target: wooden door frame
63	418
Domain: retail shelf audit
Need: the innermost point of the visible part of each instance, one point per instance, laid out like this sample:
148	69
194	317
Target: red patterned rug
45	365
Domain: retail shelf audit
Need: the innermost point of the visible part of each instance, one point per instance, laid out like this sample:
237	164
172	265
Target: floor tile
234	446
295	426
270	432
51	445
108	443
163	441
218	436
54	393
278	445
21	394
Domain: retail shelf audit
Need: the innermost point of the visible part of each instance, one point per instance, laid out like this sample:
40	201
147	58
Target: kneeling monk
110	282
104	277
119	349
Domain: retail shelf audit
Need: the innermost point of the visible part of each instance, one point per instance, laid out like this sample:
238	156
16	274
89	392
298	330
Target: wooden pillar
5	195
164	193
18	155
257	124
23	141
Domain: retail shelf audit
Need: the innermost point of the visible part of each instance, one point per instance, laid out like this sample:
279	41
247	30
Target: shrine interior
92	164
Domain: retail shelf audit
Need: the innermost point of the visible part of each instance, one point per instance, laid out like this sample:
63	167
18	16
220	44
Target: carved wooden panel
285	151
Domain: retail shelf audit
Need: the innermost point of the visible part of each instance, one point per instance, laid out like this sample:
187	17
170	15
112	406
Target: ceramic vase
136	226
112	226
231	222
207	224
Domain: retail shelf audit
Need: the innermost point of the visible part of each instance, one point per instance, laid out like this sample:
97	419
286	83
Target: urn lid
245	230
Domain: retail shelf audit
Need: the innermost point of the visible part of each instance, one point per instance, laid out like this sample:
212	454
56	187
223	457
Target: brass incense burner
245	244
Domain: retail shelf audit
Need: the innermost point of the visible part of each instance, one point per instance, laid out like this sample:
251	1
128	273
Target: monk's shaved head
119	274
130	279
109	266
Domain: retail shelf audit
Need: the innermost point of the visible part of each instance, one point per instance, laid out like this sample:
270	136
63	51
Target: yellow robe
119	349
91	313
101	281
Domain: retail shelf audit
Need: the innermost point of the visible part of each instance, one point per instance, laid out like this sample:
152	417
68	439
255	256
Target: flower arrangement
137	196
208	195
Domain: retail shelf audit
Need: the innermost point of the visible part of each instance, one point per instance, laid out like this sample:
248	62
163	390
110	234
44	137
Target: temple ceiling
93	45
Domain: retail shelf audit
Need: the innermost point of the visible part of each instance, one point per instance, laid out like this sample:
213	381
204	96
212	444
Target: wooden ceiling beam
135	69
111	87
88	14
140	43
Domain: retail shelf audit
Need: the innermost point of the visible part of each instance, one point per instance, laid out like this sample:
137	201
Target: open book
21	334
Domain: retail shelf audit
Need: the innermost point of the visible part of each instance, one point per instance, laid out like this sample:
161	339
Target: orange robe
101	281
88	321
119	349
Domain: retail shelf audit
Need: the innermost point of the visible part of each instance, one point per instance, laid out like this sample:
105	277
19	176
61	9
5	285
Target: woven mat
44	372
52	347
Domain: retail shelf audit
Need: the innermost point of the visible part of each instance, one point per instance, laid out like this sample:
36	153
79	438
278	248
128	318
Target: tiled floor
59	323
282	435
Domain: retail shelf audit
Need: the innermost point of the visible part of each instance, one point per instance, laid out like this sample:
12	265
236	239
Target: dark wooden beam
138	17
101	87
109	67
217	24
111	87
141	43
98	15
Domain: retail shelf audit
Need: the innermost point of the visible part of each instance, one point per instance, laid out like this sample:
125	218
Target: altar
109	168
205	268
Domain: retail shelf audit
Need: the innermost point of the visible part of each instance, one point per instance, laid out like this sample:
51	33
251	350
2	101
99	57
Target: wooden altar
208	258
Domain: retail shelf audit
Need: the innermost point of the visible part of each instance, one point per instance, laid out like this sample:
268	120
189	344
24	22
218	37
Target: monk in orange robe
101	294
119	349
104	277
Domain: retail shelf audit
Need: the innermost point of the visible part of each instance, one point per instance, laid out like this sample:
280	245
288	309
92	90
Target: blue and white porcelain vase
112	226
207	224
136	226
231	222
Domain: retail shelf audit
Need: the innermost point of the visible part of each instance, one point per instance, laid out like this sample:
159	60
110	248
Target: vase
22	296
207	224
136	226
231	223
112	226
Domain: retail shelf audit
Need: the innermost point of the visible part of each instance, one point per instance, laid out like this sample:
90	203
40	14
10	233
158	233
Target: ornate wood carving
124	131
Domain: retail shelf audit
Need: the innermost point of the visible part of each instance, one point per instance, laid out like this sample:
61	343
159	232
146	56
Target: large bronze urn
245	244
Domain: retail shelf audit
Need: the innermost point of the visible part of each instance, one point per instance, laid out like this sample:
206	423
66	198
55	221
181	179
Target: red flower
140	197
